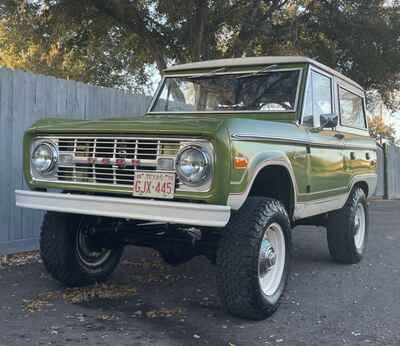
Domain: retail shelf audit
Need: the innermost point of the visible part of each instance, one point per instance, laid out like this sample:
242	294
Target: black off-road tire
59	253
238	256
341	230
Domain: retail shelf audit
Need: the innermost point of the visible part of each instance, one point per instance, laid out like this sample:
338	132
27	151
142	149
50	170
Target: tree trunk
199	31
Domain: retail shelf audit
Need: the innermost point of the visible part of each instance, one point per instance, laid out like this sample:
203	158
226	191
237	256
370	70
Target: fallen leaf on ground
106	317
87	294
41	301
163	312
79	295
20	259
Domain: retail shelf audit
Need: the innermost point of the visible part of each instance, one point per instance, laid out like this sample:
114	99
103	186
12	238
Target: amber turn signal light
240	162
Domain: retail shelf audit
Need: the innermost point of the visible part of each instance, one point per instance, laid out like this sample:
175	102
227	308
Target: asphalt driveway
148	303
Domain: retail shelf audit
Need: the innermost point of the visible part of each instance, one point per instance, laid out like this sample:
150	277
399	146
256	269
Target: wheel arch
367	182
363	185
261	176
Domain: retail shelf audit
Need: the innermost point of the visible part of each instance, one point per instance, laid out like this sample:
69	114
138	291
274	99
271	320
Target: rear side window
318	98
352	111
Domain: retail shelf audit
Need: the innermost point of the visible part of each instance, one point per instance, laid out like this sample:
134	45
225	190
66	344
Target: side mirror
328	121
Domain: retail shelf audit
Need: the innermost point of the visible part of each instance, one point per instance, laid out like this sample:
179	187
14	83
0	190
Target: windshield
273	91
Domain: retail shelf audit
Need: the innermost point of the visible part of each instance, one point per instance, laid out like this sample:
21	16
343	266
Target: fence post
385	172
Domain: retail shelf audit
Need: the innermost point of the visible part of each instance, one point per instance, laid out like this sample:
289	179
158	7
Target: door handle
367	156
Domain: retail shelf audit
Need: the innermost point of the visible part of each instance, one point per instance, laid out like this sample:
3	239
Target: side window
322	94
352	111
308	118
318	98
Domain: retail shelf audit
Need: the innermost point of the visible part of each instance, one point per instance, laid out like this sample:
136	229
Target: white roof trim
262	60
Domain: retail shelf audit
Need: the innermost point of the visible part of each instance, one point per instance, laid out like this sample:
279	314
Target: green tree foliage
360	38
110	42
70	42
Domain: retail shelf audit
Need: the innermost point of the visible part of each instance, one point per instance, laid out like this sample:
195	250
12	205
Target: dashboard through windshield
272	91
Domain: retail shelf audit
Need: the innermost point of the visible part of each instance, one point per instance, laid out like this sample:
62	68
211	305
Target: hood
203	126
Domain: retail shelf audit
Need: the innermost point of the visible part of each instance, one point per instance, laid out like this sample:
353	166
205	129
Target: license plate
154	185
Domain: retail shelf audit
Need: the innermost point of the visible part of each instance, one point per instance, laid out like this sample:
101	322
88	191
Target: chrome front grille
110	160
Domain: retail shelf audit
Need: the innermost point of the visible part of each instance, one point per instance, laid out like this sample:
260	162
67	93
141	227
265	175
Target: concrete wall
24	99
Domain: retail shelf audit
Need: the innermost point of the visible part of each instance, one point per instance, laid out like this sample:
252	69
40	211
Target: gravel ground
148	303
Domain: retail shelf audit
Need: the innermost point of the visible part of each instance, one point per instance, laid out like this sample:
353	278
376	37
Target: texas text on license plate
154	184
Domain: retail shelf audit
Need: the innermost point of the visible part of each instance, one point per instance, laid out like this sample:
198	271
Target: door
328	177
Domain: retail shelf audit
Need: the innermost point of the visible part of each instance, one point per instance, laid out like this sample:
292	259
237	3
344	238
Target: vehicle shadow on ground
182	302
310	245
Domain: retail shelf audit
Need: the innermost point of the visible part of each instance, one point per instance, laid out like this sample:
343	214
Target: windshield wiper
263	70
209	74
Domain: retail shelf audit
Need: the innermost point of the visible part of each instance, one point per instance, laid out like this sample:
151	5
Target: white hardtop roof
253	61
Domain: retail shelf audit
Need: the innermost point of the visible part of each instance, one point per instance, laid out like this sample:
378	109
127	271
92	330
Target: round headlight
44	157
193	166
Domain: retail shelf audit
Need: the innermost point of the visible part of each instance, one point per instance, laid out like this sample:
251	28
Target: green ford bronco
231	156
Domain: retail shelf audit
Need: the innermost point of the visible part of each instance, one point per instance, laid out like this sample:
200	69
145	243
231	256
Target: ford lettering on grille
110	161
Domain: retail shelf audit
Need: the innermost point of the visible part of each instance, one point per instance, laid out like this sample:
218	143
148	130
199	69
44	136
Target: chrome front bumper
127	208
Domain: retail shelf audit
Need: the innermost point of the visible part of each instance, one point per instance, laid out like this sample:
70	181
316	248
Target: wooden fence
391	171
24	99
